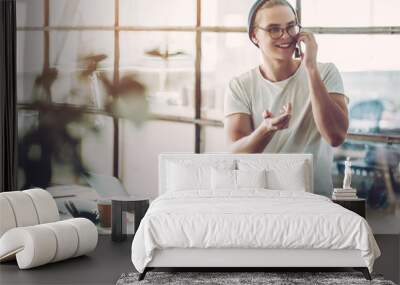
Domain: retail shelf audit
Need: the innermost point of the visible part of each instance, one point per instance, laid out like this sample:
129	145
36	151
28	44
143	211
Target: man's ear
254	38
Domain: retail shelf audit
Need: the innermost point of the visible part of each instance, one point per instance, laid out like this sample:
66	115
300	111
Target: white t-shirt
251	93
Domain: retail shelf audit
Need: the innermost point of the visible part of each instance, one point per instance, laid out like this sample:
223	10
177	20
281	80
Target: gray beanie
252	15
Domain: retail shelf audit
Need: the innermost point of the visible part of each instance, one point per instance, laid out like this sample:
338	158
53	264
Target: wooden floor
103	266
106	264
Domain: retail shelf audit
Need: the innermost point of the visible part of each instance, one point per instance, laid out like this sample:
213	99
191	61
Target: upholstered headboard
277	162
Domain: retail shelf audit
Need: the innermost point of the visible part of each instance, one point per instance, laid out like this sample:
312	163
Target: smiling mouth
284	46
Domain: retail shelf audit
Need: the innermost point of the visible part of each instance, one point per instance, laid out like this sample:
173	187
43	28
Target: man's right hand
243	138
280	122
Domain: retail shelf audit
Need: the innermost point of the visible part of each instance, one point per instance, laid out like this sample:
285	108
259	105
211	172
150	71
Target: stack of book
344	194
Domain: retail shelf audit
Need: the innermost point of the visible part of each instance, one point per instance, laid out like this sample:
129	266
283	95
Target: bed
246	211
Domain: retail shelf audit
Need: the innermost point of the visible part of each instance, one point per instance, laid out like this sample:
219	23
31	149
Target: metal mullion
108	28
66	28
46	45
389	139
135	28
115	82
217	29
46	23
61	106
159	28
96	111
186	120
355	30
197	105
116	44
298	10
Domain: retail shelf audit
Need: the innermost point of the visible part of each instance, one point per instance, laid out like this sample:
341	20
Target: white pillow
251	178
227	179
293	180
281	174
223	179
188	175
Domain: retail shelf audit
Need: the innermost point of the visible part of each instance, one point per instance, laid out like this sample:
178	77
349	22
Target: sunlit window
74	54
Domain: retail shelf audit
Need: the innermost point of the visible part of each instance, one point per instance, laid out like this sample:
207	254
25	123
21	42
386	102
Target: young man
286	105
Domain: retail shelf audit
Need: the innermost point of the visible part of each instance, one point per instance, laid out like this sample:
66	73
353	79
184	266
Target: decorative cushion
226	179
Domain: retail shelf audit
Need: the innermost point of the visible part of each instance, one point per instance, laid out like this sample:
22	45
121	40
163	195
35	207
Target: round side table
136	205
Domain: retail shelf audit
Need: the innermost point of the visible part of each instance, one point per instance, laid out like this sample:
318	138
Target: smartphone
298	51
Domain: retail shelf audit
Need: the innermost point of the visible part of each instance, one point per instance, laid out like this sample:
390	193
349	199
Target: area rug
243	278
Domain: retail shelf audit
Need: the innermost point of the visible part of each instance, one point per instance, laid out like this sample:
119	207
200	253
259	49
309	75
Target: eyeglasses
277	32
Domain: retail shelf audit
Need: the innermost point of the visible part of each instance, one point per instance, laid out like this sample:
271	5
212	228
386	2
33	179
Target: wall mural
77	83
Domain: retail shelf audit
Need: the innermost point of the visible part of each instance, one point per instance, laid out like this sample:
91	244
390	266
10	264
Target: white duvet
252	218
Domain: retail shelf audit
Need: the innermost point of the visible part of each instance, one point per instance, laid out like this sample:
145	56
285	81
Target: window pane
355	13
140	149
66	52
360	52
225	55
169	79
97	147
96	150
67	48
51	145
215	140
230	13
30	13
157	13
27	120
30	62
376	176
371	79
82	13
30	51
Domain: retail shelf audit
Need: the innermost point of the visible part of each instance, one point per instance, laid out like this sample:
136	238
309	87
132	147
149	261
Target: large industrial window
184	52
